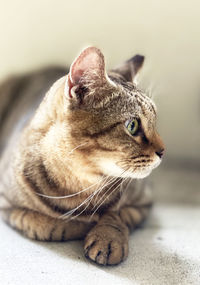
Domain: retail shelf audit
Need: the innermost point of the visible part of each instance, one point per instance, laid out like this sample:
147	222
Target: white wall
36	33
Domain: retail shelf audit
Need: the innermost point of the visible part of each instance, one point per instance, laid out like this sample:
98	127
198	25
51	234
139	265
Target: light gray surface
165	251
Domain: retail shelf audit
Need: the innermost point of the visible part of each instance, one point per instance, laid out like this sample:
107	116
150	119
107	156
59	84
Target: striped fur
70	172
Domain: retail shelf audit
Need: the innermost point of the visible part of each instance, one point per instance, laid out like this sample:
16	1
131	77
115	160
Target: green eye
132	126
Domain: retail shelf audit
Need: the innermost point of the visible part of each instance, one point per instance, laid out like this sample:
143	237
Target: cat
73	166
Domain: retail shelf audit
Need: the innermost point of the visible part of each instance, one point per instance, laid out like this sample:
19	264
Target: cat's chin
142	174
110	168
137	174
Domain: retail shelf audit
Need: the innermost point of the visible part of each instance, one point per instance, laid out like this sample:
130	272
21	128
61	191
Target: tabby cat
71	168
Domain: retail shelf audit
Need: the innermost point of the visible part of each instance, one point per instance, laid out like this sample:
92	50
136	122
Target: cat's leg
44	228
133	213
107	242
133	216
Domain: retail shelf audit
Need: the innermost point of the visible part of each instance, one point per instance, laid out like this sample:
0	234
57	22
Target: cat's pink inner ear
89	63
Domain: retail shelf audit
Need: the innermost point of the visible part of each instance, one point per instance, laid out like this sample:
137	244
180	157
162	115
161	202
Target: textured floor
165	251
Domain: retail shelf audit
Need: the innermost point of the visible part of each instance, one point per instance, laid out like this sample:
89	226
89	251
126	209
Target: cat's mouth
112	168
142	172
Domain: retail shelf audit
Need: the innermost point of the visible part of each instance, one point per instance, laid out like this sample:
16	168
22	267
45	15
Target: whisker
74	209
104	185
90	197
125	179
70	195
71	152
115	181
69	214
128	184
104	200
89	201
121	184
101	188
77	148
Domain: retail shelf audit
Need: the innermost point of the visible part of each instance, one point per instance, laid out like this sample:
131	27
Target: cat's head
111	123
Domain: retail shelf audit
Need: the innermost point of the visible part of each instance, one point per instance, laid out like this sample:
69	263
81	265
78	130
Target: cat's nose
160	153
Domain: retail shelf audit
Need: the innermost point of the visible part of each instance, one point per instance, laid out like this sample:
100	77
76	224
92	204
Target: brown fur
66	148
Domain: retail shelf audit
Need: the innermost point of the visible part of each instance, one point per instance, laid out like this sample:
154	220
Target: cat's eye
132	126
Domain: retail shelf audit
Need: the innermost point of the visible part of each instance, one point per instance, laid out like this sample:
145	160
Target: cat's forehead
129	102
139	103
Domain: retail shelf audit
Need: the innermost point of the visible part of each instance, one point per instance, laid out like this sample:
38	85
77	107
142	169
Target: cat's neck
60	156
67	165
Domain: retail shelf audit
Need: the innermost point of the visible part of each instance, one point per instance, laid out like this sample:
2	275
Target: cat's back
20	96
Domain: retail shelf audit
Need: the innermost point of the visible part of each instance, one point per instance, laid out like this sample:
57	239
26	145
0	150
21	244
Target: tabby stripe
109	251
146	103
63	235
36	236
122	257
33	185
51	233
110	225
106	130
46	176
141	165
139	156
143	160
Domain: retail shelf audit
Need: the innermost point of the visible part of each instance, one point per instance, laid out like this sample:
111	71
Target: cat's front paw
106	245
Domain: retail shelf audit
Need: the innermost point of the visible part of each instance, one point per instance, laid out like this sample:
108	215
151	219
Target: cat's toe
105	250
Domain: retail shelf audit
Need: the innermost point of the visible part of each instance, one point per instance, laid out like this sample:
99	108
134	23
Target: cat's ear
87	69
130	68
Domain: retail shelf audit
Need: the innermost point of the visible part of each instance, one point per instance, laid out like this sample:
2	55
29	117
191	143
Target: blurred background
39	33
